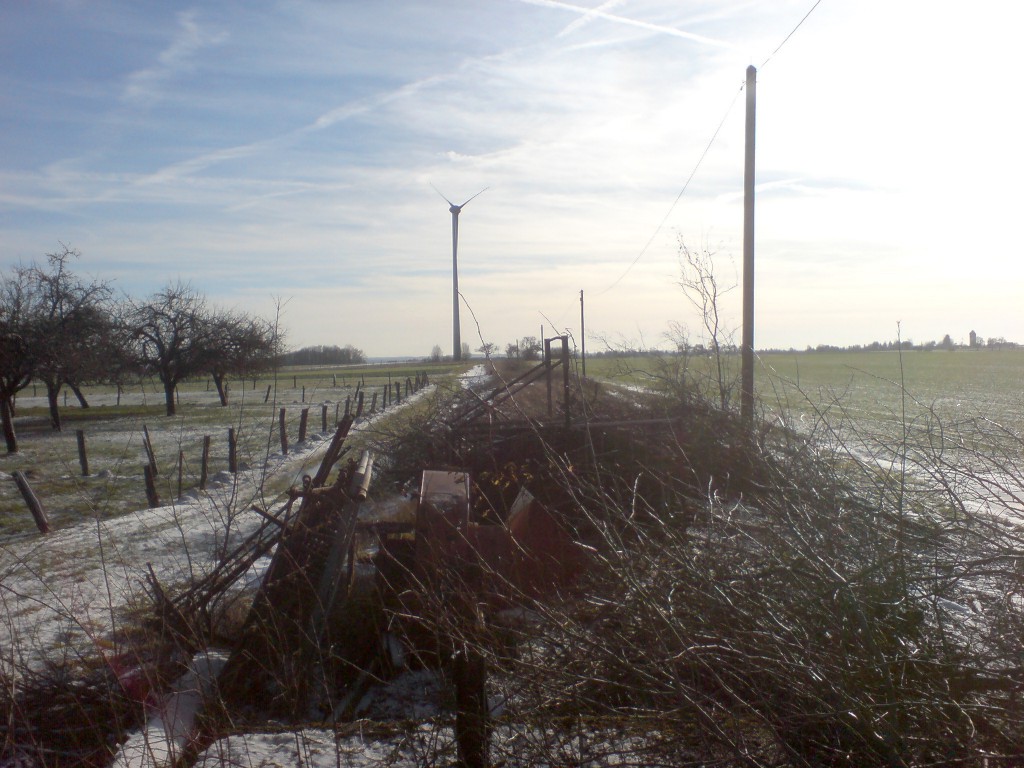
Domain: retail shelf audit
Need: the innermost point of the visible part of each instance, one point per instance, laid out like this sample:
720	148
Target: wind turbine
456	330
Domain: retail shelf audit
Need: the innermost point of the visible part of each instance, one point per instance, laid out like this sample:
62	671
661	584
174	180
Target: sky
291	159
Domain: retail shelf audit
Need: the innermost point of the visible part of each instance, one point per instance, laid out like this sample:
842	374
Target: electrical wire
675	202
703	155
792	32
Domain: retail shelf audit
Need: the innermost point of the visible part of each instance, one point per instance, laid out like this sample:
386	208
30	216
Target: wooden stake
232	451
323	417
148	444
34	506
204	467
181	470
284	431
83	458
151	495
303	423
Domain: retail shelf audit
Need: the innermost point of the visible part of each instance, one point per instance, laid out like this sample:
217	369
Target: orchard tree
171	335
240	345
17	358
71	328
530	348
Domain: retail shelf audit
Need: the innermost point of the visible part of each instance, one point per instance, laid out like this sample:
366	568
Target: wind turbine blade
476	195
439	192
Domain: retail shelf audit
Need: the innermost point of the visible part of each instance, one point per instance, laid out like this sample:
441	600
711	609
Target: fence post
266	397
204	466
83	458
565	380
373	403
303	393
232	451
471	711
34	506
303	423
181	470
323	417
151	495
149	450
547	364
359	407
284	432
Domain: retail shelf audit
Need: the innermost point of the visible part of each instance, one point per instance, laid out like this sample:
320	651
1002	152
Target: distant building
974	339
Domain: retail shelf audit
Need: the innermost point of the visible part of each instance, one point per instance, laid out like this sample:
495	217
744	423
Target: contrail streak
660	28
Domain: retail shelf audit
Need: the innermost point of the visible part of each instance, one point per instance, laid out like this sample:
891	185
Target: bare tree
171	335
704	292
530	348
71	328
240	345
17	358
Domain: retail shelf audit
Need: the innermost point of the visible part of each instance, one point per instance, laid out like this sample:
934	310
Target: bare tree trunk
7	414
52	392
169	387
222	391
78	393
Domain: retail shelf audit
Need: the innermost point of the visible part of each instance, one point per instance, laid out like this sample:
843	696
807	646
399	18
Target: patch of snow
170	724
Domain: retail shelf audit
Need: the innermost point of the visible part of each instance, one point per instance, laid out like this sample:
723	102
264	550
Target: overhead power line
703	155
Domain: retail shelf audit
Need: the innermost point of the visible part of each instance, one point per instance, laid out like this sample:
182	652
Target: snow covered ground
62	596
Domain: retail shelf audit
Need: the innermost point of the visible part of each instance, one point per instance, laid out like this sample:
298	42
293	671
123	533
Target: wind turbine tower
456	329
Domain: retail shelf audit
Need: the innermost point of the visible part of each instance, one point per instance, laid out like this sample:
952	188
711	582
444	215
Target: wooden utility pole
747	374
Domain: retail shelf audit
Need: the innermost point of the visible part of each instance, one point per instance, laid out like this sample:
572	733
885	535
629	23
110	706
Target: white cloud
301	161
145	85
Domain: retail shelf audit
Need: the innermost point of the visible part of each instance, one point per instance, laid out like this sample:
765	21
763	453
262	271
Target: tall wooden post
747	377
583	338
456	325
547	366
565	380
284	431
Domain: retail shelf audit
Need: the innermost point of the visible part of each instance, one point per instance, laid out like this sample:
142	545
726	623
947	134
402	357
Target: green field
114	435
870	387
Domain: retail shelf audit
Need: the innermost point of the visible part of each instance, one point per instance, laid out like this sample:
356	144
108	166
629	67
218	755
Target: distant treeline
996	342
324	355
